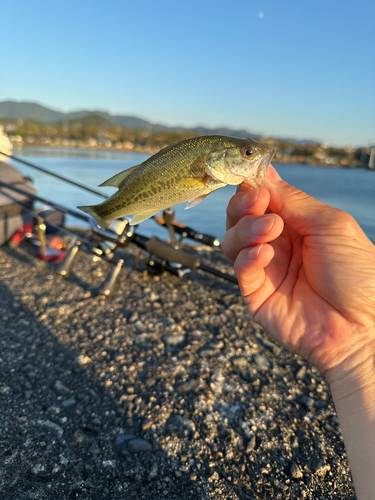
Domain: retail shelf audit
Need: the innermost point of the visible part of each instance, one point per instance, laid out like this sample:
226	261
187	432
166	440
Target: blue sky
291	68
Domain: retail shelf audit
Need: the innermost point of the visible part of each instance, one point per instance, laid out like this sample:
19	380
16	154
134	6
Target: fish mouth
262	168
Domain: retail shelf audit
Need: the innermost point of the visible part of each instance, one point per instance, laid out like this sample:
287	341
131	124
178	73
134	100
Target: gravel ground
168	390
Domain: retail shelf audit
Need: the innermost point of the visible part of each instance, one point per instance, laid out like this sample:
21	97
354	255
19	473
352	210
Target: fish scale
185	171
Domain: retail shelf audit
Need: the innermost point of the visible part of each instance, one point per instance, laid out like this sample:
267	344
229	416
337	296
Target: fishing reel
118	233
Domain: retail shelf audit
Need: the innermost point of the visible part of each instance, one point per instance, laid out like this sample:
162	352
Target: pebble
306	401
240	363
154	471
215	477
321	468
190	386
82	360
60	388
94	449
179	425
295	471
261	361
251	445
174	343
37	469
132	443
207	352
133	318
69	403
301	373
4	389
55	428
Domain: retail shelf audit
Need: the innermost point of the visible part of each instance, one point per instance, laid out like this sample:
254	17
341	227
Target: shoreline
152	151
168	390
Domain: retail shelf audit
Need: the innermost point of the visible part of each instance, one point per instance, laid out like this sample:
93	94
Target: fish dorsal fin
195	201
141	217
119	179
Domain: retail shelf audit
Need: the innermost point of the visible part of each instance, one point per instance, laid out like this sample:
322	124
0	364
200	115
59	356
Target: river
348	189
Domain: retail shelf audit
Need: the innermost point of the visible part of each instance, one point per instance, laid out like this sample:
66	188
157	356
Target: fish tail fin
93	211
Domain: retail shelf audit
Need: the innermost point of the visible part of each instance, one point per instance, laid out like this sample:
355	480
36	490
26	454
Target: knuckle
343	220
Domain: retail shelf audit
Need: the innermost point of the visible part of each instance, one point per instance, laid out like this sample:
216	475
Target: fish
186	171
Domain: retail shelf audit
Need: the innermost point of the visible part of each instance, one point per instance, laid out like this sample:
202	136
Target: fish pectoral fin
119	179
195	201
141	217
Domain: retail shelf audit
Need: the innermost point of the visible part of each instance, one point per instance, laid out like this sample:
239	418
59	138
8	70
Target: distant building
371	162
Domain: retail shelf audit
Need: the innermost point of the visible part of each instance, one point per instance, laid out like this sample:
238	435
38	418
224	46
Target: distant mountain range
37	112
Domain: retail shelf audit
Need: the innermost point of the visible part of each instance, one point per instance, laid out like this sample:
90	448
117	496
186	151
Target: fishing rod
184	231
152	245
58	176
65	267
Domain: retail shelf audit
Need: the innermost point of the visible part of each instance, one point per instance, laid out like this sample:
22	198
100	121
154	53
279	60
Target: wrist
354	379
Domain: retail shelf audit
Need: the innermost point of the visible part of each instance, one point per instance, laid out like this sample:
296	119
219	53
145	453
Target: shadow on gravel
20	256
62	435
168	391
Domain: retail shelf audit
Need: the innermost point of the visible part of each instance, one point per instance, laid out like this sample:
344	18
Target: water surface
348	189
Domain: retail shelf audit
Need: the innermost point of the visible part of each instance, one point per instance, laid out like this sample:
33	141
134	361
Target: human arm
310	282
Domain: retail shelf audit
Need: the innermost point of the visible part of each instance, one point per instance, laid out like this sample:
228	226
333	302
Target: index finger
245	202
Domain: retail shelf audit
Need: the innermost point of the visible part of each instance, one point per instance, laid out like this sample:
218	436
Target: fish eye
247	152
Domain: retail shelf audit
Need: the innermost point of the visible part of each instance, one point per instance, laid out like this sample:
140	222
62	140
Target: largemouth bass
186	171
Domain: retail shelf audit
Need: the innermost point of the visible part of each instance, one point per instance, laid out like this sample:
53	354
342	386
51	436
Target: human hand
306	271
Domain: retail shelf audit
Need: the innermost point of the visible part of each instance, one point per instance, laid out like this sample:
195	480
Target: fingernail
263	225
249	199
253	252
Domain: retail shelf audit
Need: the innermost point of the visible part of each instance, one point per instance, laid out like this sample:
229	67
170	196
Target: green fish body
186	171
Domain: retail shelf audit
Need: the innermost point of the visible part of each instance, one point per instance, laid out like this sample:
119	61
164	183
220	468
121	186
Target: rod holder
41	230
65	267
108	285
168	215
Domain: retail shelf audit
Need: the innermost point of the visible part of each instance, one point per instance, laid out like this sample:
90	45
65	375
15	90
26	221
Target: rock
261	361
28	394
215	477
207	352
146	424
278	484
82	360
217	382
54	428
60	388
38	469
190	386
320	468
301	373
69	403
240	363
216	344
133	318
174	343
179	425
319	404
306	401
154	471
251	444
4	389
94	449
131	443
153	297
295	471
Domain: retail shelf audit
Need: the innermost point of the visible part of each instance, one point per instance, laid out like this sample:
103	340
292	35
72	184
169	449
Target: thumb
302	212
